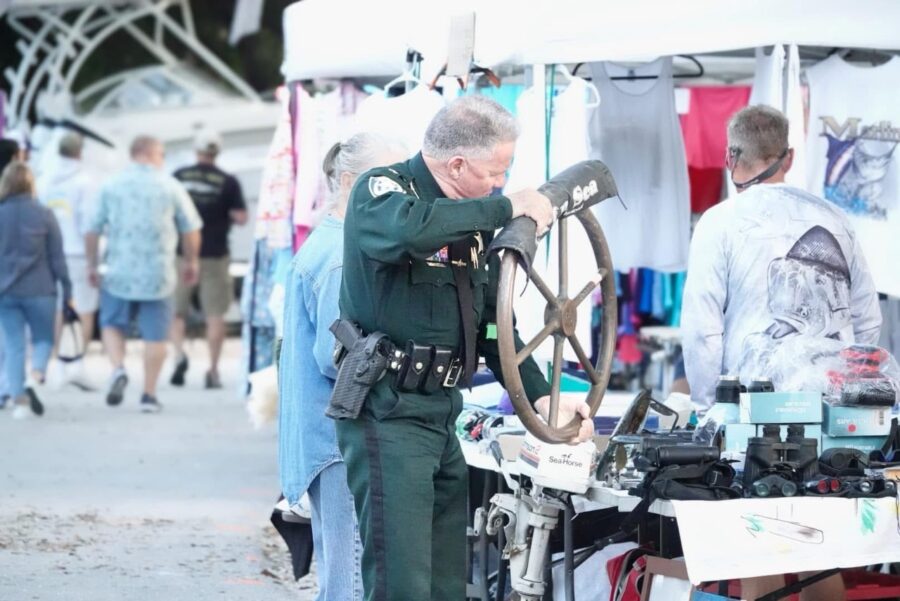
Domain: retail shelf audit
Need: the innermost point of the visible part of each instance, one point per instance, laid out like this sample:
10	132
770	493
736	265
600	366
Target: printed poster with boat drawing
754	537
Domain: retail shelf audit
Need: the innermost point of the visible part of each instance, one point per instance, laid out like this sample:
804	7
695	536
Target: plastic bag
715	419
866	376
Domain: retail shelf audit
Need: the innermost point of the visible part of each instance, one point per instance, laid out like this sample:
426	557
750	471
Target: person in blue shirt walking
144	213
309	459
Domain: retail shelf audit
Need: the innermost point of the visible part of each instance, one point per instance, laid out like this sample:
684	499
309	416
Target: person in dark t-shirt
220	202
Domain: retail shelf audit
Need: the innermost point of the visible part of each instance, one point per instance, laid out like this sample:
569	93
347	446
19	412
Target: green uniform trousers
408	477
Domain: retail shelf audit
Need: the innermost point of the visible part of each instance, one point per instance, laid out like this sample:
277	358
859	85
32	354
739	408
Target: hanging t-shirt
705	132
569	142
276	189
404	118
768	78
568	145
705	126
854	129
635	131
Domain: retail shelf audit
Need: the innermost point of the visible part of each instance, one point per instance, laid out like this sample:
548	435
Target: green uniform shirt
397	276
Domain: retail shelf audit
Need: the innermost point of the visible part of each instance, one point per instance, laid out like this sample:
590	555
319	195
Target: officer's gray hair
356	156
70	145
757	134
471	126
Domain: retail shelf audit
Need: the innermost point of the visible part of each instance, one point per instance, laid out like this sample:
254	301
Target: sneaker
213	381
22	407
149	404
117	388
22	411
34	403
181	368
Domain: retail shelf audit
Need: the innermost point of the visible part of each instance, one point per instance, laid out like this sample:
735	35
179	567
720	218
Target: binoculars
768	453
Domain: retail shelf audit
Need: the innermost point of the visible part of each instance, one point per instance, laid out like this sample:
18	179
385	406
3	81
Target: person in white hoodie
70	193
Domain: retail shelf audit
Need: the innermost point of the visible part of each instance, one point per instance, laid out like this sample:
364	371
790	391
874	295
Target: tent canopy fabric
348	38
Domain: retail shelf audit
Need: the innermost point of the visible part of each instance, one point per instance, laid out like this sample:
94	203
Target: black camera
765	453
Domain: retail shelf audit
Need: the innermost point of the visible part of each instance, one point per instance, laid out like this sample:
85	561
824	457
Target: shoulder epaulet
386	180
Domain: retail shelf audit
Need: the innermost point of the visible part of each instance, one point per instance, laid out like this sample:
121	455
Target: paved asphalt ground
108	504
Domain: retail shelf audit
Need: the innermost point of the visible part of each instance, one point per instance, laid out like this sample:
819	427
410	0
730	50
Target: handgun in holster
361	361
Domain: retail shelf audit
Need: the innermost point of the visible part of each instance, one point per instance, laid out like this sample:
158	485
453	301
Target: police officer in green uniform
416	269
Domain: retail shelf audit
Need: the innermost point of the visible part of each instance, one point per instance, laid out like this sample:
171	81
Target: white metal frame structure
58	37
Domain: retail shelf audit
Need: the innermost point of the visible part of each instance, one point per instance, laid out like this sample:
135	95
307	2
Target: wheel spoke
543	288
589	287
584	360
563	233
556	380
526	351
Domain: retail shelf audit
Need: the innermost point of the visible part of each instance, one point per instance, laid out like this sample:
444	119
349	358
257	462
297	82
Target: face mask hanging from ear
731	158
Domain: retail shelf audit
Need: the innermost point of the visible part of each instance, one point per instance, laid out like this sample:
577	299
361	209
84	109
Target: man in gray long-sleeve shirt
775	276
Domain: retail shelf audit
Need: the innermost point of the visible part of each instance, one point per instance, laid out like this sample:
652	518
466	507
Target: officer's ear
456	167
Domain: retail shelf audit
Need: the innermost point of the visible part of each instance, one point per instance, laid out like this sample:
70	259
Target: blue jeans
38	313
338	550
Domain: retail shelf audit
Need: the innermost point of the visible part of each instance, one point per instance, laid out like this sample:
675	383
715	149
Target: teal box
856	421
866	444
781	408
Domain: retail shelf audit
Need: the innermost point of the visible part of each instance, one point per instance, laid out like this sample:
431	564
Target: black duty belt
425	368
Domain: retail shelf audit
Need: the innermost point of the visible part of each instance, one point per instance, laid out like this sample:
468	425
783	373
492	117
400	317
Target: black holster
361	361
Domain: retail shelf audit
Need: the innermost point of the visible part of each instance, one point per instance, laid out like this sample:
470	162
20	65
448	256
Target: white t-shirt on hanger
404	118
776	83
854	130
568	145
636	132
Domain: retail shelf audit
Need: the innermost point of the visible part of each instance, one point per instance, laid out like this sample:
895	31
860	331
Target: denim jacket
307	440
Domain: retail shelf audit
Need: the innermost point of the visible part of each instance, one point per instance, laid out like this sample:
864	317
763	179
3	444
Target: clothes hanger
631	77
409	76
569	77
464	81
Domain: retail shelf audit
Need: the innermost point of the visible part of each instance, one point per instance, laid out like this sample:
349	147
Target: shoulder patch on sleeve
381	184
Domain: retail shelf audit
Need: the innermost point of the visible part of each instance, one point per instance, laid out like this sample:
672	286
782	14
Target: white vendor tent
350	38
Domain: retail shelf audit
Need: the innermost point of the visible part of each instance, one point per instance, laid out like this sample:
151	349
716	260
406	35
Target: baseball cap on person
208	142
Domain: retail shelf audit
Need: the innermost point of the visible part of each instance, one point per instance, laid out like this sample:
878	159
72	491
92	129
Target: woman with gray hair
309	460
31	264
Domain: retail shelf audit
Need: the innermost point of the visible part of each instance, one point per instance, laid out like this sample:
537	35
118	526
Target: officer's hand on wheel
568	408
531	203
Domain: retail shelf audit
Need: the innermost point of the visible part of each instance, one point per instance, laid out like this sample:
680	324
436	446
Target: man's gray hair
143	144
757	134
471	126
71	145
